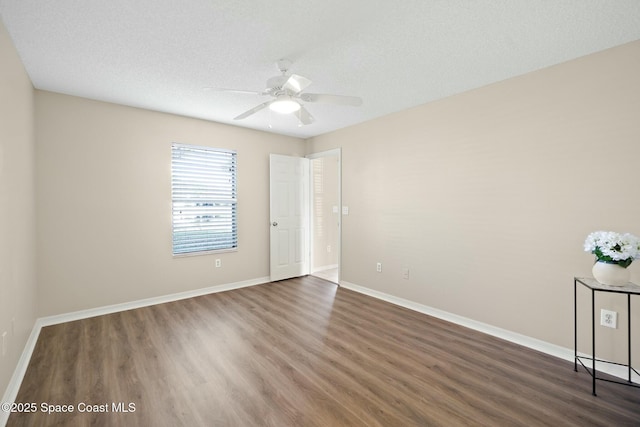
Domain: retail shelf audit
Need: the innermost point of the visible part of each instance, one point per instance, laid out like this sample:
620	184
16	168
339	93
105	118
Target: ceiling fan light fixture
284	105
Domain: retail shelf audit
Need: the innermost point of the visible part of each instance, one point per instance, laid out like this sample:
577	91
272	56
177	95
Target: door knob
275	224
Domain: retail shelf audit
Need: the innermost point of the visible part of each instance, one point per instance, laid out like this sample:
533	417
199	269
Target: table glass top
629	288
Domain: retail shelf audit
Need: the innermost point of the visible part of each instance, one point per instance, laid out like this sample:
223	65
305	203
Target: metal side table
592	284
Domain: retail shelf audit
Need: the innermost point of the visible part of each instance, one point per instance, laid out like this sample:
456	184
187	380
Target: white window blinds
203	194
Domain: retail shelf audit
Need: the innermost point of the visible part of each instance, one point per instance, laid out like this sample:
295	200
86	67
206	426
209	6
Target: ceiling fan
286	91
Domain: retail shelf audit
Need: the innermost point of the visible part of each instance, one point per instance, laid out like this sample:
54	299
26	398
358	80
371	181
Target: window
203	195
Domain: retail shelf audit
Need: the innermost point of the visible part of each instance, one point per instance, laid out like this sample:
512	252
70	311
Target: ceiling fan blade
217	89
253	110
354	101
304	116
296	83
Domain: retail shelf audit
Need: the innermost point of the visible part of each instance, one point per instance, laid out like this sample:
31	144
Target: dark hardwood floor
302	352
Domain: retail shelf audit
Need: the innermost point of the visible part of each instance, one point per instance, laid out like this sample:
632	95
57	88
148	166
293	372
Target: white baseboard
13	387
18	374
523	340
100	311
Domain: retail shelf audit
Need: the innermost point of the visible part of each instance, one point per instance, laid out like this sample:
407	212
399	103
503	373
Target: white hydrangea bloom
618	247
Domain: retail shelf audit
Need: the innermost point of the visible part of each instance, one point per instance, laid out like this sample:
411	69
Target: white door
289	199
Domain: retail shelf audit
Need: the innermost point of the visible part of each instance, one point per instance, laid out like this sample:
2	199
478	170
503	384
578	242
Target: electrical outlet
218	263
608	318
405	273
4	343
379	267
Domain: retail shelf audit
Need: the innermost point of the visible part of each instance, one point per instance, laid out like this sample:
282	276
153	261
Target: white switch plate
345	210
609	318
218	263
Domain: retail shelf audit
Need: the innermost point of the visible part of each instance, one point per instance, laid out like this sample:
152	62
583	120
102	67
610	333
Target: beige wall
17	207
488	196
104	203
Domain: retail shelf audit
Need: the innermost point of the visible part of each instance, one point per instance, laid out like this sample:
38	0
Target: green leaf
625	263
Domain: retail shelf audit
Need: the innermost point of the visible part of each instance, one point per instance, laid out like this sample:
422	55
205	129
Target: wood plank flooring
302	352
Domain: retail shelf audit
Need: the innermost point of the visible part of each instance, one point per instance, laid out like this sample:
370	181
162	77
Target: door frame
336	152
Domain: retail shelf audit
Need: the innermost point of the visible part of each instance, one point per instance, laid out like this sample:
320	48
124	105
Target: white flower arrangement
613	248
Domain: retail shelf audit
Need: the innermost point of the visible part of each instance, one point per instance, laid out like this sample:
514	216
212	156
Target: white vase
610	274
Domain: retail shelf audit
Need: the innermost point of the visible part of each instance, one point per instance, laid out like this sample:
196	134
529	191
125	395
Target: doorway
325	200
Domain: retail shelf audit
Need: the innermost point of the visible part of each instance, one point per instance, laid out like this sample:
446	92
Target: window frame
226	201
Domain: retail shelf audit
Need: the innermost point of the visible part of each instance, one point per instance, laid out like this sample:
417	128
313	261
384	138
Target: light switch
345	210
335	209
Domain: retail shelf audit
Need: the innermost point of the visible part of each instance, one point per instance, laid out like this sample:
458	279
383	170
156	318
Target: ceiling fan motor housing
275	84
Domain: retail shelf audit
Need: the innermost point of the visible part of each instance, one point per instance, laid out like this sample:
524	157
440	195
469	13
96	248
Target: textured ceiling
159	54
